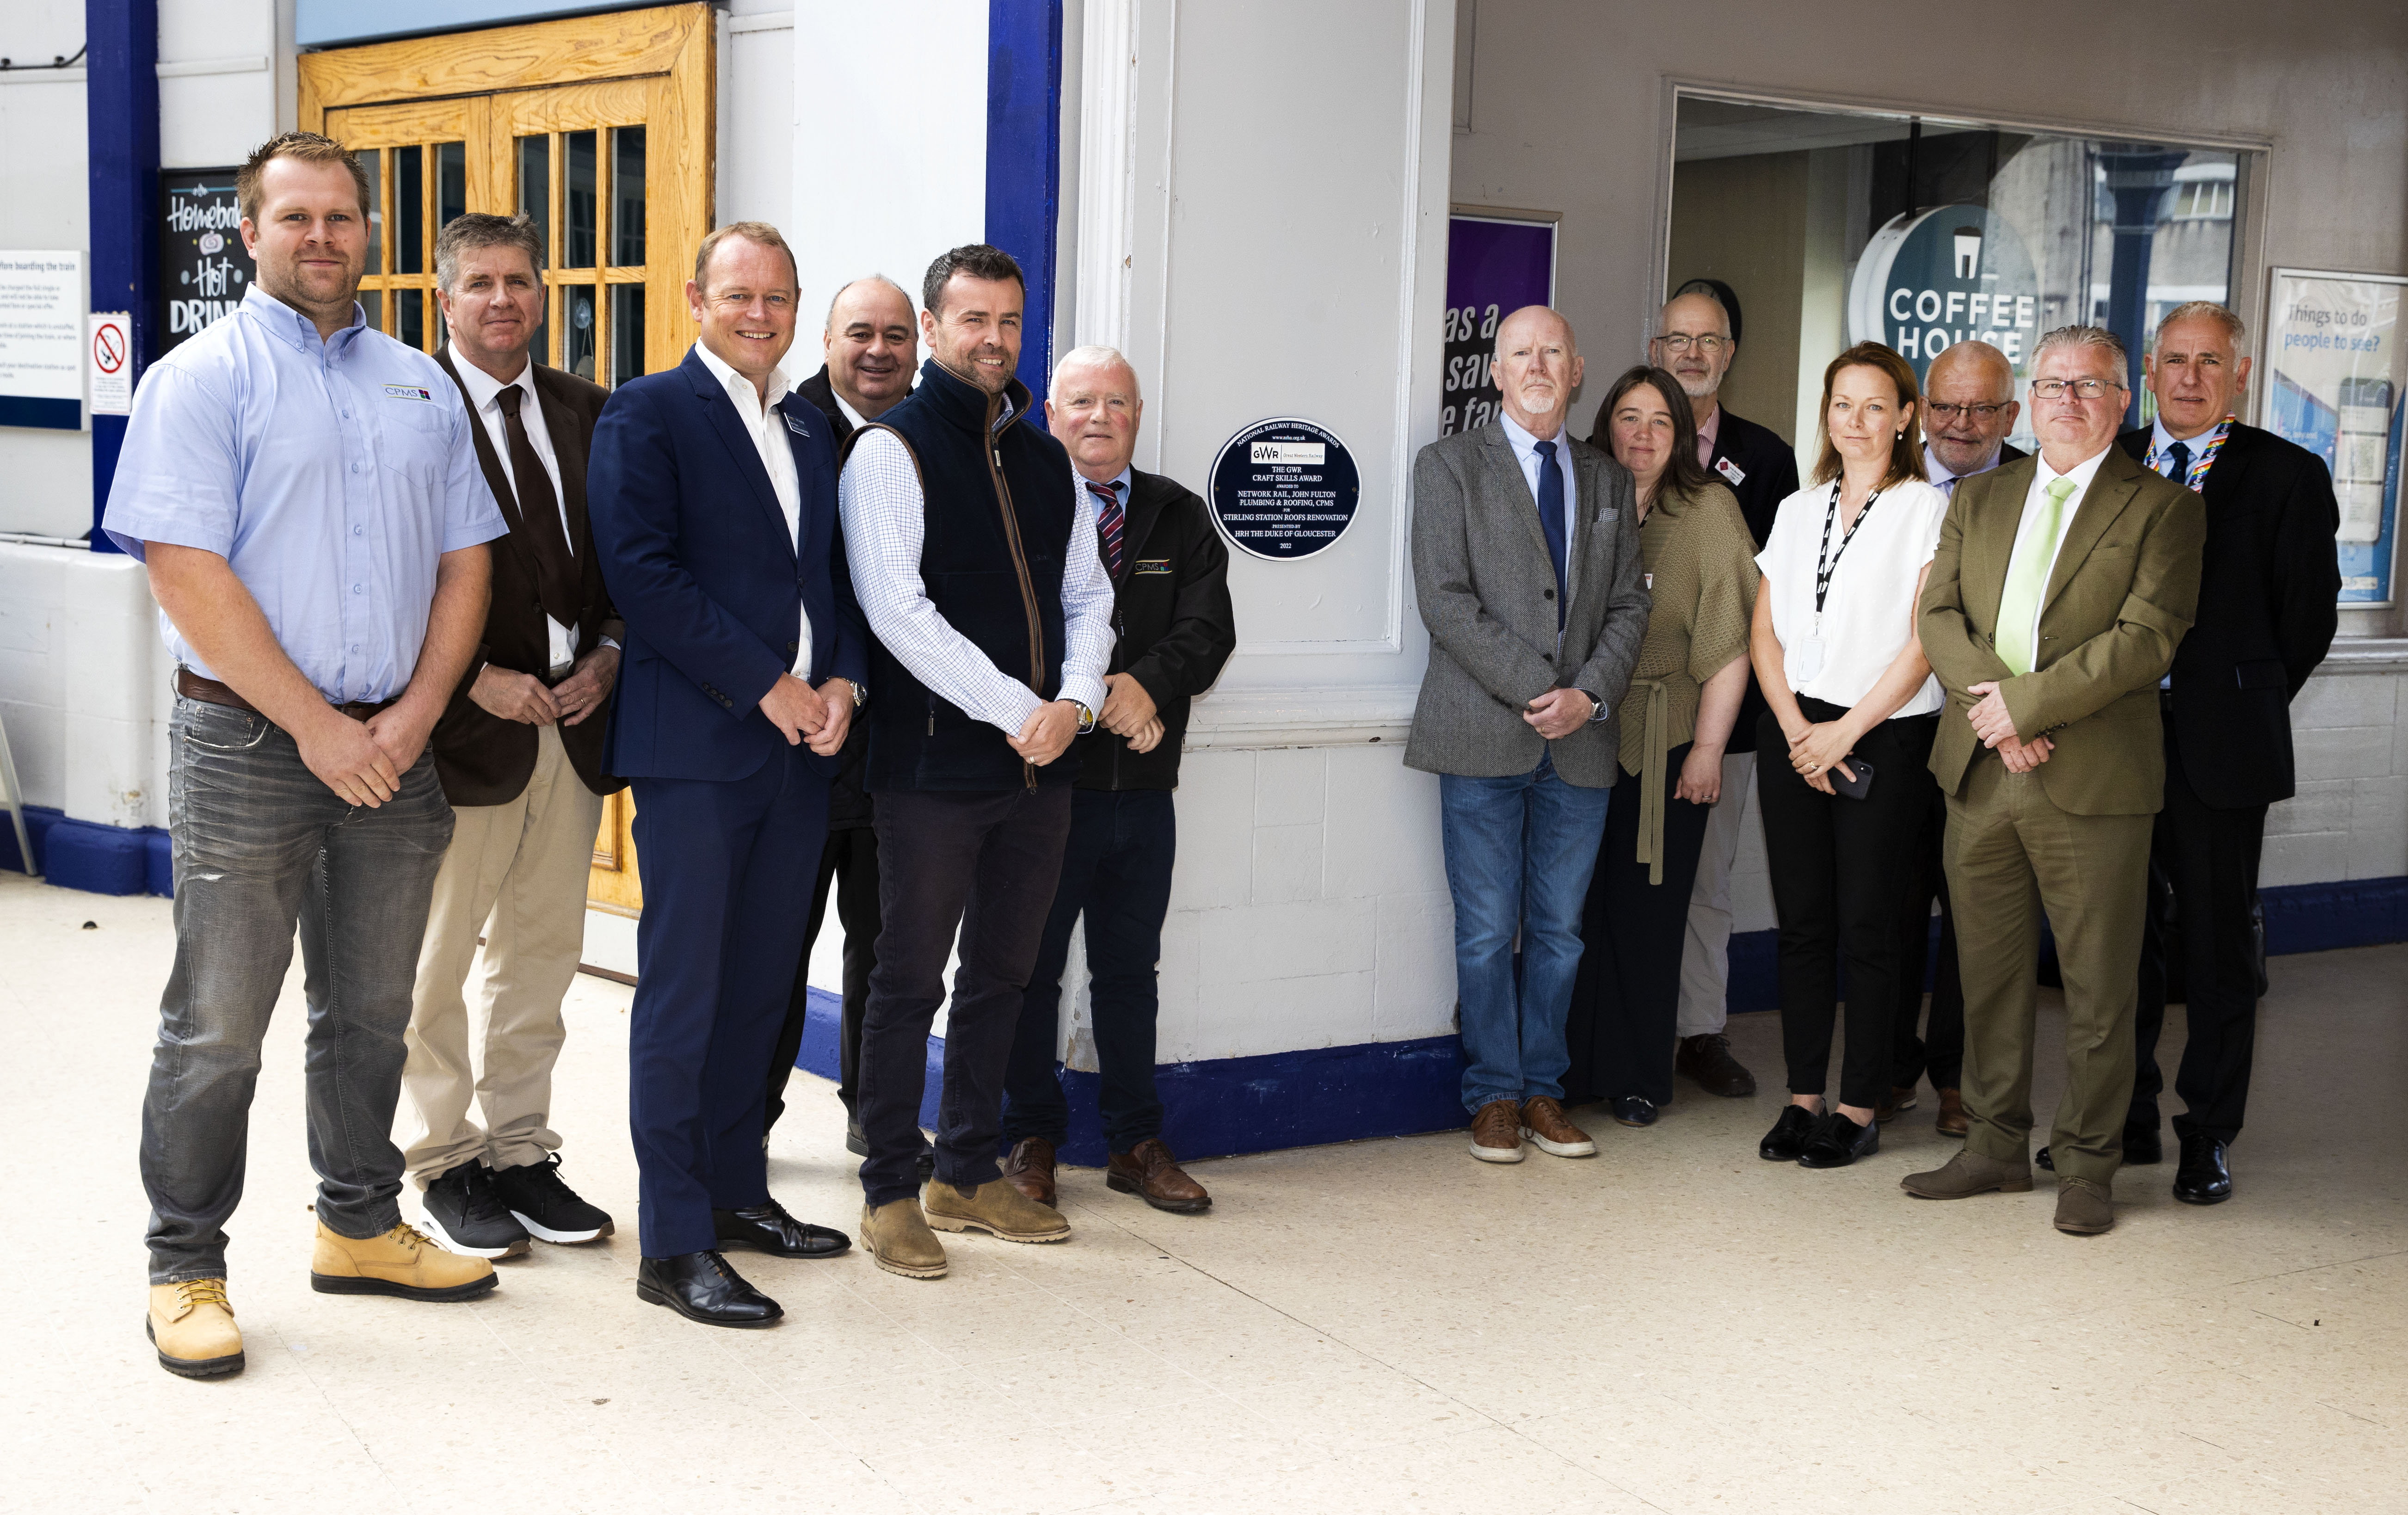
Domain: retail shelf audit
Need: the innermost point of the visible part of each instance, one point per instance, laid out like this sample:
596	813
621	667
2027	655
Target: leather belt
210	692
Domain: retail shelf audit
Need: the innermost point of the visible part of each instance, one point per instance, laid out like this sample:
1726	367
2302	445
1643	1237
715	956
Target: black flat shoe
770	1229
1787	1138
2204	1175
1632	1109
1839	1142
701	1287
2142	1148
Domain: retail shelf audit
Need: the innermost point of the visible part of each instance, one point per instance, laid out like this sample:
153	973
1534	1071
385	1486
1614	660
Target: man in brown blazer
2062	587
519	751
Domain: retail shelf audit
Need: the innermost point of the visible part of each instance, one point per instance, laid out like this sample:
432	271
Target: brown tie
540	509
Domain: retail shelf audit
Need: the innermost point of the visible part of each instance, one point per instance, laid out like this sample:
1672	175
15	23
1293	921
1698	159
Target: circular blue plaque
1284	487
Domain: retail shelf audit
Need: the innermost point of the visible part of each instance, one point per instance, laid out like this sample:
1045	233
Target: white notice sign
41	340
112	354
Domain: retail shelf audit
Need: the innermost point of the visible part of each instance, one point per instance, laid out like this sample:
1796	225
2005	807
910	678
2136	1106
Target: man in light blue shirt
307	497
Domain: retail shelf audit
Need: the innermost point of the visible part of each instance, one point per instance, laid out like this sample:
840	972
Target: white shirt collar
853	418
2081	473
739	388
1524	442
1120	483
484	388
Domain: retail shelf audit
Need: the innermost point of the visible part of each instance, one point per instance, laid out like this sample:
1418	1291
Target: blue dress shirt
332	475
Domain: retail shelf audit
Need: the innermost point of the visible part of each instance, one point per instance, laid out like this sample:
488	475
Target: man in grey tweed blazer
1527	564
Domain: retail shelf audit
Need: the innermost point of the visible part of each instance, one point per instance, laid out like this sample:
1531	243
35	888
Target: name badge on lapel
1152	565
1730	470
794	422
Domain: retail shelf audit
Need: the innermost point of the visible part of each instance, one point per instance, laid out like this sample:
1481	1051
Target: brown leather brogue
1951	1121
1030	1169
1148	1171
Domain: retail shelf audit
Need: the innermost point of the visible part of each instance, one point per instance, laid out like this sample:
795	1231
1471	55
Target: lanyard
2195	479
1824	571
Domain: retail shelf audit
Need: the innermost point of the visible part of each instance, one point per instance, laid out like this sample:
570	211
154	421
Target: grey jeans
261	844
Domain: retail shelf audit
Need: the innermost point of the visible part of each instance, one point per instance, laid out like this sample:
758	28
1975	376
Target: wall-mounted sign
2334	384
1284	487
1497	262
110	359
1929	280
203	269
41	340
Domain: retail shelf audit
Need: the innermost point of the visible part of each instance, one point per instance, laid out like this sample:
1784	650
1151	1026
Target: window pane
409	308
576	340
372	301
372	161
450	182
408	210
627	198
627	332
577	212
535	186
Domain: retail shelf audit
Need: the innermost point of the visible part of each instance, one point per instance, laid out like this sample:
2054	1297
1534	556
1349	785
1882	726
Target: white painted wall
757	116
45	476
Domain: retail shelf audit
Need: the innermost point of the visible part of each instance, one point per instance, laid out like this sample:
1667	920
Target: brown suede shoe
899	1240
1148	1171
1030	1169
995	1207
1496	1132
1967	1174
1543	1123
1951	1121
2083	1208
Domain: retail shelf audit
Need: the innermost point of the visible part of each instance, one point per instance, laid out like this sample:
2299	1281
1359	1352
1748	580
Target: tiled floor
1672	1326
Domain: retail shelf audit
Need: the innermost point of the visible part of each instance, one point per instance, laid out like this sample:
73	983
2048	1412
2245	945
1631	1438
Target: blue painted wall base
97	858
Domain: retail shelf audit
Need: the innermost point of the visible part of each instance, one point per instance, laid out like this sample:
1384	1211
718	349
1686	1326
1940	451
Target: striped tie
1107	523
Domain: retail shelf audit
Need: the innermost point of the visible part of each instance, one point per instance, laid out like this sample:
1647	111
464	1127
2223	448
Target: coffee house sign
1933	278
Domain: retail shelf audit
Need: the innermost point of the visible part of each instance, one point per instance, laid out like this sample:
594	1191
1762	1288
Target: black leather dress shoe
2204	1175
770	1228
1787	1138
1839	1142
1633	1109
2044	1161
701	1287
2142	1148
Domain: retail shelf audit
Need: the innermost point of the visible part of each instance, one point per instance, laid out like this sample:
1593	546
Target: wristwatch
860	694
1086	718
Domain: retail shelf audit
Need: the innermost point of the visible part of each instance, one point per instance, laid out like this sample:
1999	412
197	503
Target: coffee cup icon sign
1969	252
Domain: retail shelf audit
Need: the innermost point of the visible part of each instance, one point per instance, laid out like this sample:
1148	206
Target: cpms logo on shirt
410	392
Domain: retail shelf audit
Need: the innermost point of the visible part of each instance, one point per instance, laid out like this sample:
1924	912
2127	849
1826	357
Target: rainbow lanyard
2196	479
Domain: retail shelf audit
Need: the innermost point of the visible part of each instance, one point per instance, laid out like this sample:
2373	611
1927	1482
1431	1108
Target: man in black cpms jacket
1174	630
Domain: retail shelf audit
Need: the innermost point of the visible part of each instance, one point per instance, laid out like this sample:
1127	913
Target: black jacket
2269	583
1176	628
848	801
1762	470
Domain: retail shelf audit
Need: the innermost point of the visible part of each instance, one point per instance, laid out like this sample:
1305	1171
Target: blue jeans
1116	871
1519	853
261	844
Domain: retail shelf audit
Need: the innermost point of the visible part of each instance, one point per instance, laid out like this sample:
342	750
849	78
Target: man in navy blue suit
713	499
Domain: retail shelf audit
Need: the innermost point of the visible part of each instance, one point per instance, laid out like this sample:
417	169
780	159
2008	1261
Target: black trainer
1787	1138
465	1215
547	1206
1839	1142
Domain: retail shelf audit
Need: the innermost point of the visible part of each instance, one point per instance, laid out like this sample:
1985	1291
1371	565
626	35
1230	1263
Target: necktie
2018	642
555	570
1550	517
1110	521
2179	456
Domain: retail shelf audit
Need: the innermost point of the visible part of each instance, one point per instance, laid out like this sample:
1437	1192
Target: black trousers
1116	872
847	869
1941	1050
979	866
2210	858
1627	1000
1838	890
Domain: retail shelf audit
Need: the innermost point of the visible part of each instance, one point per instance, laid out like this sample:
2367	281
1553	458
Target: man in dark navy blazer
714	501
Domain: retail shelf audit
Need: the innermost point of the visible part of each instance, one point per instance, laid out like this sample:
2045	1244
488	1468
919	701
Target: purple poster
1494	267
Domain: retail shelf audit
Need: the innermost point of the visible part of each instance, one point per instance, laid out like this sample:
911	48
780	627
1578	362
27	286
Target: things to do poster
2334	384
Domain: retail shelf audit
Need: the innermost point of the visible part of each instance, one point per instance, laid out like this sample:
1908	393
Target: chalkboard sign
1284	487
203	267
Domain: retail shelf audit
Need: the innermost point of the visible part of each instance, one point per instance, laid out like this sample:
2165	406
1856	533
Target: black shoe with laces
1707	1059
1787	1138
551	1211
1839	1142
465	1215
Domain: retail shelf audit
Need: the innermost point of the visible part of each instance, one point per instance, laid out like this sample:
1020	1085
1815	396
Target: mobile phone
1857	787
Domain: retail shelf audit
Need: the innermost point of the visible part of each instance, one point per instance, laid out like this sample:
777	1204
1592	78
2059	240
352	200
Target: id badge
1808	659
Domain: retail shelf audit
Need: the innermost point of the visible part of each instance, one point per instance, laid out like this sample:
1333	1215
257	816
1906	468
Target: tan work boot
1496	1132
401	1263
2083	1208
192	1326
1967	1174
1030	1169
899	1240
995	1207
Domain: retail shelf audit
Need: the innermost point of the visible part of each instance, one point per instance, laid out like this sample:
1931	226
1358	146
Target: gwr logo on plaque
1284	487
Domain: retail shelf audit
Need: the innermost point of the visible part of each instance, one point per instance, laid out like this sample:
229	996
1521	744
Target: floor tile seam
301	1361
796	1413
2314	1268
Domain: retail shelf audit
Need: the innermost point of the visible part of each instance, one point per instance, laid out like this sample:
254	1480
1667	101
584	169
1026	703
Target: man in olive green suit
2061	586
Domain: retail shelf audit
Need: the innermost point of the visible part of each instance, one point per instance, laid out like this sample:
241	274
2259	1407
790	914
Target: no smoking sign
111	363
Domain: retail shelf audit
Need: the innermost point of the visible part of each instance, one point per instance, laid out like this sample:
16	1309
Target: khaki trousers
516	873
2011	854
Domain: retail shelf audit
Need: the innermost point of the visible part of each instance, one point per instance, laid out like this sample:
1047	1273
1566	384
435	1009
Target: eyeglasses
1681	341
1979	412
2083	389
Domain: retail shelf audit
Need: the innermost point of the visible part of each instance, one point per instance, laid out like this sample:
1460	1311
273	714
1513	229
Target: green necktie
2019	639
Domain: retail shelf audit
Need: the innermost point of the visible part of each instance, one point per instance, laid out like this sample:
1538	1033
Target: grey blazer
1487	592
